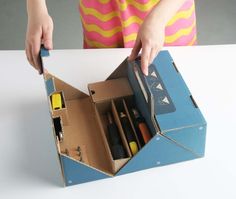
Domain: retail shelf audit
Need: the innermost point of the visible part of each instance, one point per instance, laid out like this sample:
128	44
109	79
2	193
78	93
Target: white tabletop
28	163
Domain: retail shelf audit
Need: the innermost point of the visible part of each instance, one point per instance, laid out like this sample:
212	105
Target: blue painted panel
158	152
140	100
50	87
186	113
193	138
76	173
44	52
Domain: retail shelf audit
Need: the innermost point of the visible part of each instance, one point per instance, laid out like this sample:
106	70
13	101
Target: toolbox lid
164	94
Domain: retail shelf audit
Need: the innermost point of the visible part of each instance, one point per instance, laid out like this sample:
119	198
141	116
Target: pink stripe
186	5
183	23
133	28
183	40
132	11
102	8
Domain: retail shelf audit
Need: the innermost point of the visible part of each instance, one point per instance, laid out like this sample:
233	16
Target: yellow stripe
180	33
182	14
104	1
131	20
97	44
100	16
140	6
130	37
104	33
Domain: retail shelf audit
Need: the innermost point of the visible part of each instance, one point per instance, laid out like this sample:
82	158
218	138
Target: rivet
200	128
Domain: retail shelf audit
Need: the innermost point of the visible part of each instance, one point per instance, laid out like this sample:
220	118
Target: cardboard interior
83	120
102	109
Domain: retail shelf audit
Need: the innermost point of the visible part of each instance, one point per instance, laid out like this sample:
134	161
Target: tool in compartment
128	133
116	146
141	126
58	128
56	101
75	153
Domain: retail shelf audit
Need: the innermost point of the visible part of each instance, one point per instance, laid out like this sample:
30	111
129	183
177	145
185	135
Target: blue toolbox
127	123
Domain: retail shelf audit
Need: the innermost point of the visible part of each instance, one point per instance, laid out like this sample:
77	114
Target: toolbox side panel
192	138
186	113
77	173
158	152
50	87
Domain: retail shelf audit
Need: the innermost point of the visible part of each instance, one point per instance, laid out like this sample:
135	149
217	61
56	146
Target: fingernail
145	72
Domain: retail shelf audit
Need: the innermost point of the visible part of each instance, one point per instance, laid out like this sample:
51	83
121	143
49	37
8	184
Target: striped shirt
115	23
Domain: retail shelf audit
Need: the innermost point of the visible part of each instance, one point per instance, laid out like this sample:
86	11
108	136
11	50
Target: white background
28	163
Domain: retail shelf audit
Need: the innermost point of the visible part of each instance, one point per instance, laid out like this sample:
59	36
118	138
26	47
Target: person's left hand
150	39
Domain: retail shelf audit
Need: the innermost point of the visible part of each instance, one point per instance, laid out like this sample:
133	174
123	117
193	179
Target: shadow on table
36	139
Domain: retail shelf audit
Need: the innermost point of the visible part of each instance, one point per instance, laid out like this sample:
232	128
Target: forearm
35	7
165	10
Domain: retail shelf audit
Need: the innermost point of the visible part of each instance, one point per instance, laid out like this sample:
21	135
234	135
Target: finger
146	50
47	38
35	53
28	55
153	54
136	49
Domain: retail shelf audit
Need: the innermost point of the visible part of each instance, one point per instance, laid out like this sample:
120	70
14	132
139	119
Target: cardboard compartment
57	125
82	131
59	107
102	110
126	124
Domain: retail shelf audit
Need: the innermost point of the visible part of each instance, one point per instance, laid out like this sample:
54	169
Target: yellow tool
129	133
56	101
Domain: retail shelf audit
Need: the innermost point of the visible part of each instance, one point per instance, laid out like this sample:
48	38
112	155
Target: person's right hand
39	31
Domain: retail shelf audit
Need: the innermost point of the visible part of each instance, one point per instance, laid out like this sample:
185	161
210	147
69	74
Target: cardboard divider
101	110
102	91
131	122
130	104
118	123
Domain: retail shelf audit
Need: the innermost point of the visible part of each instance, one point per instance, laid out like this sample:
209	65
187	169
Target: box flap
173	105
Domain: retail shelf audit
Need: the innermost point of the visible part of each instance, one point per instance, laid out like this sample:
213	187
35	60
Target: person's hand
150	39
39	31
